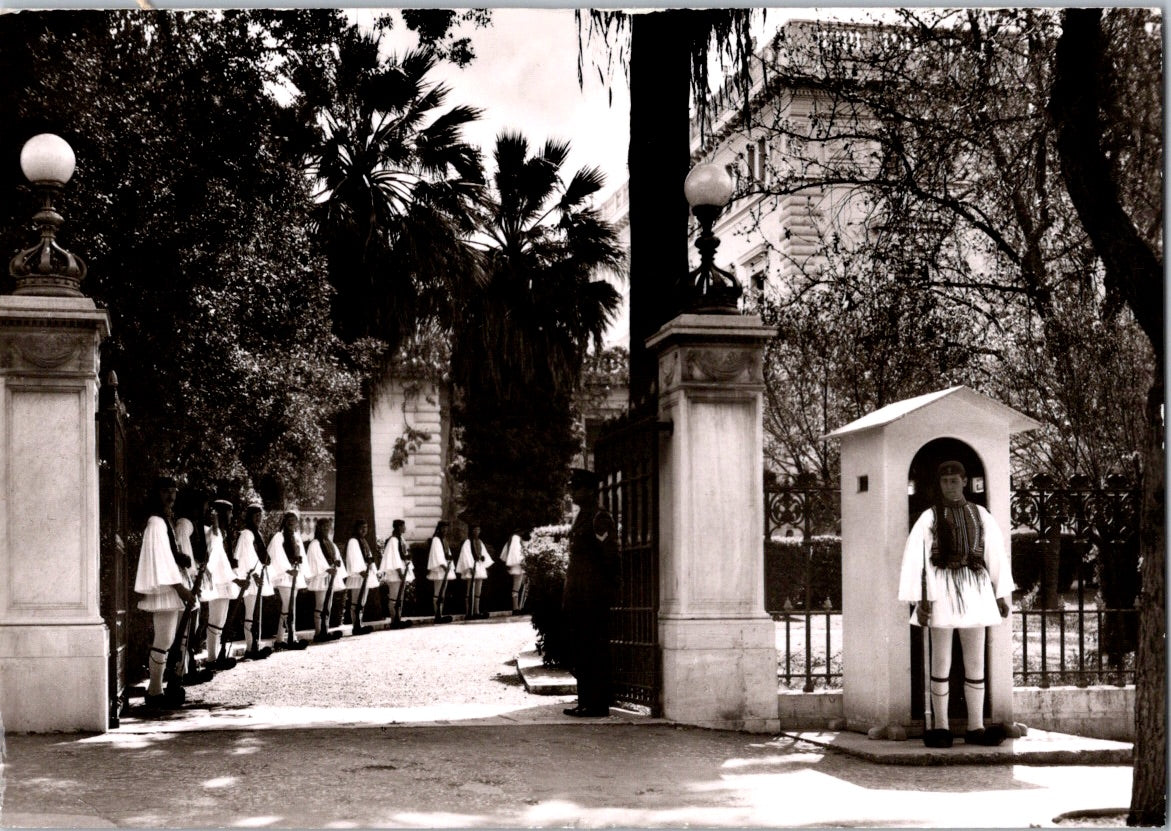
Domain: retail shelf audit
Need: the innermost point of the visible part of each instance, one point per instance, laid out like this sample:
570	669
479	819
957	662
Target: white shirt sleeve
915	553
156	565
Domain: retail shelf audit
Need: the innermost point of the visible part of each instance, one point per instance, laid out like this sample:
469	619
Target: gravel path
472	663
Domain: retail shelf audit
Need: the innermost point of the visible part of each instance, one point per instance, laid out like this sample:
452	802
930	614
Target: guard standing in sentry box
956	571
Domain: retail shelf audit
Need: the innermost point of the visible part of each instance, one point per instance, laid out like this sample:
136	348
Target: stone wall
411	487
1096	712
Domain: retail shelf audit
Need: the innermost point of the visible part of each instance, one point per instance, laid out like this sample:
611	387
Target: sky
524	78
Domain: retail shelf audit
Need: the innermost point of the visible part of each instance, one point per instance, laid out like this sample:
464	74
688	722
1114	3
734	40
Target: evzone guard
472	566
287	556
956	571
440	569
326	575
224	586
362	575
396	571
162	580
252	562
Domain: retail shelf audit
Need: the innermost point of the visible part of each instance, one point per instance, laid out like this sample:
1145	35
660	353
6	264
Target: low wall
1096	712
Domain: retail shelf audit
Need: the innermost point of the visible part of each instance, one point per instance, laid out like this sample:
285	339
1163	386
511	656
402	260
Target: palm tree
395	187
521	337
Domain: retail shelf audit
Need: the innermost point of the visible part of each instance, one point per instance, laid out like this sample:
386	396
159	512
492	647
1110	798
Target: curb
1038	748
542	680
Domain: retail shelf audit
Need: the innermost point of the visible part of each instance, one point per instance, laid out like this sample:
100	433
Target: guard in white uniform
362	574
193	544
326	575
513	558
396	565
440	569
287	555
162	581
956	570
472	566
224	584
252	564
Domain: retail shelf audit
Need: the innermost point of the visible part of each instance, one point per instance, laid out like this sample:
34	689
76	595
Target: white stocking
165	624
972	642
217	616
940	670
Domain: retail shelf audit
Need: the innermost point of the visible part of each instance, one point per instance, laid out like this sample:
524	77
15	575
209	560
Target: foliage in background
921	180
193	217
546	558
521	335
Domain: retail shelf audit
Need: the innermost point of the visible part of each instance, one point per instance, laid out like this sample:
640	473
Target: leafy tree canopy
194	218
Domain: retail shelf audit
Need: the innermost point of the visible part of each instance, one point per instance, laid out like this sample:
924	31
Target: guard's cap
952	468
580	477
398	523
226	504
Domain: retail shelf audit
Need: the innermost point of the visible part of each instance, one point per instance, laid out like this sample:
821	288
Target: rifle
239	601
196	676
178	649
360	604
291	636
325	609
256	609
439	616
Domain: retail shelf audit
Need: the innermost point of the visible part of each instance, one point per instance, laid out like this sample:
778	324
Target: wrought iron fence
1077	579
803	580
626	459
1077	624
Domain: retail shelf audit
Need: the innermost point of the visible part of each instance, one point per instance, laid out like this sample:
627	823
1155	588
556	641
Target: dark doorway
922	491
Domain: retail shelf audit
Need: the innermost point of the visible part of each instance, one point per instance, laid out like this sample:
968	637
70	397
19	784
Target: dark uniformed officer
589	588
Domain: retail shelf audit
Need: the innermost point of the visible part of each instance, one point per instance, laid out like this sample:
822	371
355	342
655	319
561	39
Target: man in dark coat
589	587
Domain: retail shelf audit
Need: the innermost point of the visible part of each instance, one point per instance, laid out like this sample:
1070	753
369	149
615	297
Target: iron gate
115	587
626	459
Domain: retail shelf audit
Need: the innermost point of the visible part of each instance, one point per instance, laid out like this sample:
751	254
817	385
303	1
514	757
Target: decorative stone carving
33	351
722	365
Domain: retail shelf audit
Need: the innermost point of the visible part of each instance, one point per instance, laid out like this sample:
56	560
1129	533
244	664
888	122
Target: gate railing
810	611
1088	537
626	459
1076	627
113	523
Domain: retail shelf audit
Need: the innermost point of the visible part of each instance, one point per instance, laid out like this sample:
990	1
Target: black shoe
991	736
161	702
400	624
937	738
361	630
175	694
322	637
198	676
516	612
258	654
223	663
588	712
443	618
298	644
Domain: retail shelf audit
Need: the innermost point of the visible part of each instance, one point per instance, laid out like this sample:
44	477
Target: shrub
1028	561
785	573
546	558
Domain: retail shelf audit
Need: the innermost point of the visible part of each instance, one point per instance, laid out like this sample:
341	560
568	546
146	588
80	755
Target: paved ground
483	753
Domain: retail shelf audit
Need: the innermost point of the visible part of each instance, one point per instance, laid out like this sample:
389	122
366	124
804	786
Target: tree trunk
659	158
354	490
1148	798
1135	271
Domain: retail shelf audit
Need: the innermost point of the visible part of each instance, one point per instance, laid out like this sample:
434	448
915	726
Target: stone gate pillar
53	641
718	644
